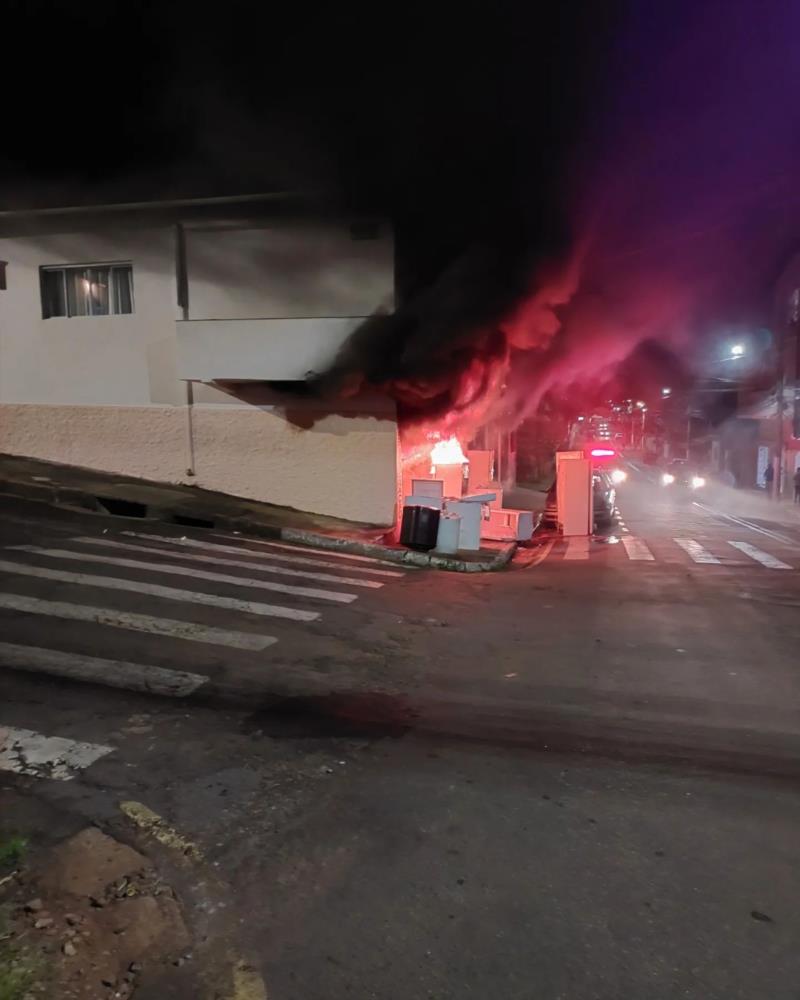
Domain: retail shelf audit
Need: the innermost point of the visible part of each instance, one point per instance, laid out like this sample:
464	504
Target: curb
70	497
407	556
57	496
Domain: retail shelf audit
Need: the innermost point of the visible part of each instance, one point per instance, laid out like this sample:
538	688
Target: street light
643	409
666	391
737	351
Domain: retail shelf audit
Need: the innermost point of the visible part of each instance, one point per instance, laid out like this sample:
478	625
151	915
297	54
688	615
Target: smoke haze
678	206
572	184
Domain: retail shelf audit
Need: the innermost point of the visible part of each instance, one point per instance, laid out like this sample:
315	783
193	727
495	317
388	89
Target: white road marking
696	551
771	562
299	547
195	574
221	561
577	548
26	752
742	523
636	549
136	622
238	550
95	670
156	590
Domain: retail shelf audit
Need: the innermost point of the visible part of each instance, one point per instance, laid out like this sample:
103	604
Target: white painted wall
288	271
105	392
295	275
342	466
111	360
276	349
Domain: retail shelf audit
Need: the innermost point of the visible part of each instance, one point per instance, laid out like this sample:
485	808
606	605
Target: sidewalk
739	502
123	496
752	504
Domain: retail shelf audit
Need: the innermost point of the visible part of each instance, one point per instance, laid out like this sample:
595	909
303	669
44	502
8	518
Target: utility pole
778	480
689	434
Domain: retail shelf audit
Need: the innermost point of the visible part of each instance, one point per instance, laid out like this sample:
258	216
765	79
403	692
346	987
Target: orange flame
448	452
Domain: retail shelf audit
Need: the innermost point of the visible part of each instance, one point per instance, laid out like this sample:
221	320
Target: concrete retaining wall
343	466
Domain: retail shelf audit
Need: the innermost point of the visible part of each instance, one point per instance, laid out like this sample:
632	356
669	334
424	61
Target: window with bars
87	290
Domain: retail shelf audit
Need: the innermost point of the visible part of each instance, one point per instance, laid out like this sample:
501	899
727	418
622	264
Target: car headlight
698	482
619	476
667	478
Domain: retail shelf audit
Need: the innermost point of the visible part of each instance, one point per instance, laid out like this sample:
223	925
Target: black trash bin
419	527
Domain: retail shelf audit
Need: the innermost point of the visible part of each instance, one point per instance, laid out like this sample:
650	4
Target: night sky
460	120
632	165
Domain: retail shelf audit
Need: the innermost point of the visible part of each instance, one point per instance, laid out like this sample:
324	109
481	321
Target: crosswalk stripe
136	622
26	752
636	549
577	548
319	552
771	562
195	574
96	670
696	551
157	590
238	550
221	561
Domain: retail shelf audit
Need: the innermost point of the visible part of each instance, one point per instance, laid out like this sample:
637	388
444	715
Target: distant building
734	452
772	407
140	339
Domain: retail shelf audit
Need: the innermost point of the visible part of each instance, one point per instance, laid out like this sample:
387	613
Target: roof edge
133	206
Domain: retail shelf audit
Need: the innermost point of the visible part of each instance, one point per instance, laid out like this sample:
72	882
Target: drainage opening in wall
191	522
122	508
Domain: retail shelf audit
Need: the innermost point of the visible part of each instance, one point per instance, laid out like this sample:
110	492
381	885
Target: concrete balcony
259	349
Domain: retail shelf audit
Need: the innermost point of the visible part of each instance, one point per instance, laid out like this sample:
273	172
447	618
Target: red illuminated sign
603	453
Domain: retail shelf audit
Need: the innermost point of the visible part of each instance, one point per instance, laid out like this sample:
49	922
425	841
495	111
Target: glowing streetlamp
737	351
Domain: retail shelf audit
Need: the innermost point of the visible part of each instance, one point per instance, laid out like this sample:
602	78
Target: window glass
122	286
54	302
87	291
91	290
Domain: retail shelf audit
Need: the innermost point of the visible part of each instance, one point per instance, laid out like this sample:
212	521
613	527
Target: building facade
769	412
155	341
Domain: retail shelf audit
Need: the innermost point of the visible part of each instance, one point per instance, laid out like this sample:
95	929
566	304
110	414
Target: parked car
605	499
604	495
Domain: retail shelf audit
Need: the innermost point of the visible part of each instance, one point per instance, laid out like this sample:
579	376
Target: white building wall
103	392
285	271
260	349
100	360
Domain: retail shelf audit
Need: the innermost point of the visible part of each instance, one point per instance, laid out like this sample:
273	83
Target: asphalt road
573	780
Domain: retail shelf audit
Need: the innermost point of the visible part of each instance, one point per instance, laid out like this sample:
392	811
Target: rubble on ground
93	916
